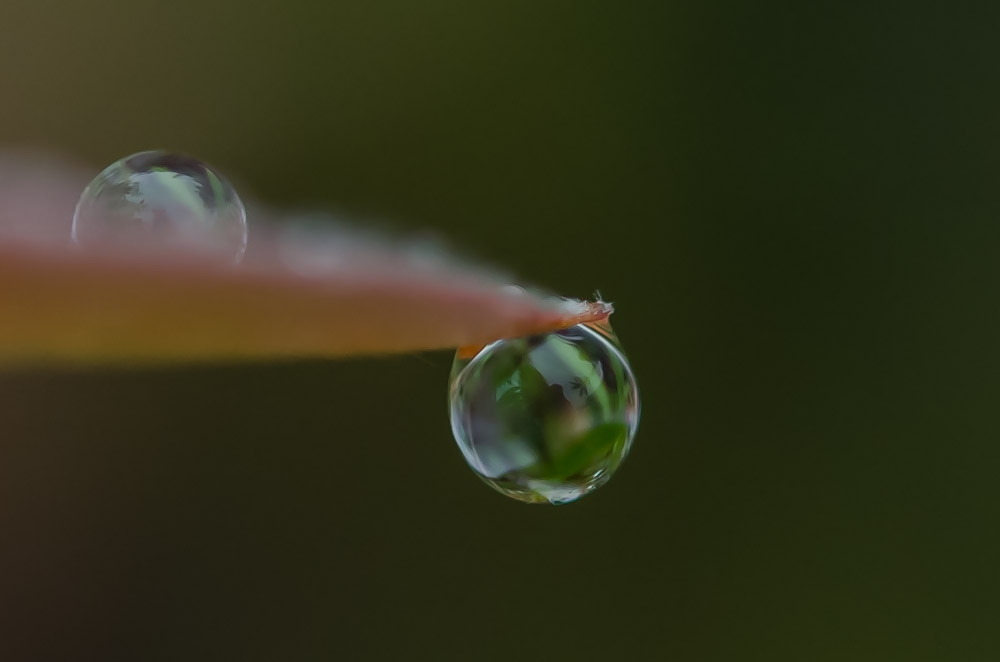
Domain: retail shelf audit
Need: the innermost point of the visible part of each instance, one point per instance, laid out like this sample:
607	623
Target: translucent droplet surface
160	200
546	418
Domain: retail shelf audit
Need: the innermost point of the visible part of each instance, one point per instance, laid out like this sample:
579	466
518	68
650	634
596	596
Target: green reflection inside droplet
547	418
161	200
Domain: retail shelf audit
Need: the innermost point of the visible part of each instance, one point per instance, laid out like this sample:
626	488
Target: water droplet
546	418
162	200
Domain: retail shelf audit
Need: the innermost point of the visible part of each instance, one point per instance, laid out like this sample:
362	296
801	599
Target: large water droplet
160	200
546	418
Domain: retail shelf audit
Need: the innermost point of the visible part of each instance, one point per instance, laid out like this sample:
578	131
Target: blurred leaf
592	447
304	290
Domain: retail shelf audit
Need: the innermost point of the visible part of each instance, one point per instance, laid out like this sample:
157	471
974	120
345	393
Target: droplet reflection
163	201
545	418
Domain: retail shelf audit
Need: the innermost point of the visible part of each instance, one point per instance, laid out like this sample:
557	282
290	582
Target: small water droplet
545	418
162	200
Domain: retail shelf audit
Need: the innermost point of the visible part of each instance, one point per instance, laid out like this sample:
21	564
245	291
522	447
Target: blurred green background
794	207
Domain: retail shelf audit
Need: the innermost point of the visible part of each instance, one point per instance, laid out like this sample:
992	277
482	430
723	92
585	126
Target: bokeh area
795	210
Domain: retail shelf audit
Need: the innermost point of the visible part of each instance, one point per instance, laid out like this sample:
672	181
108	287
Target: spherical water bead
161	200
546	418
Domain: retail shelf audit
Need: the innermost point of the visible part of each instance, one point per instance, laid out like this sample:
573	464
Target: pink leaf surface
303	291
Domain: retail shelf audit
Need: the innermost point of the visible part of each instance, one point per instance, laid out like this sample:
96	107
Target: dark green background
795	210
